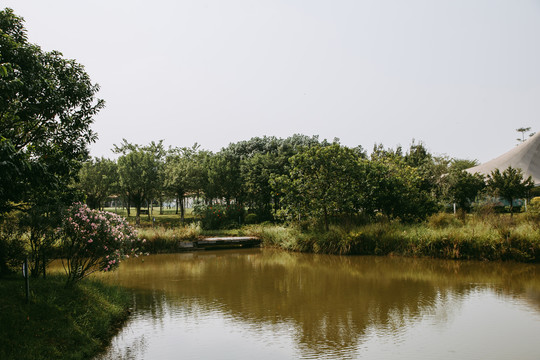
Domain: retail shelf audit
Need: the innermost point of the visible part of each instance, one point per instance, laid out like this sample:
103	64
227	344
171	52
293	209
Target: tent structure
525	156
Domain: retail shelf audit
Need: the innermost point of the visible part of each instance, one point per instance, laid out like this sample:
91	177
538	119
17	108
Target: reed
445	236
497	237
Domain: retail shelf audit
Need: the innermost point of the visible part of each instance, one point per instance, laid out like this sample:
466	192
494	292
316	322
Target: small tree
509	185
98	178
94	240
523	130
463	187
139	170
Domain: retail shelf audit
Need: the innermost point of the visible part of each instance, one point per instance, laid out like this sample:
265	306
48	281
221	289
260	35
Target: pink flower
90	241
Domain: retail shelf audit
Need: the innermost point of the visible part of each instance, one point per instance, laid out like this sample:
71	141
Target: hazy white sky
458	75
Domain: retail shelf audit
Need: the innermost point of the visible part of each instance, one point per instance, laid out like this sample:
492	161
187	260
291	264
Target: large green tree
323	182
47	104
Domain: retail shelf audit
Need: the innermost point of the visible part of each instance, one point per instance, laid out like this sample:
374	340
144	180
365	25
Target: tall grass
165	240
480	237
496	237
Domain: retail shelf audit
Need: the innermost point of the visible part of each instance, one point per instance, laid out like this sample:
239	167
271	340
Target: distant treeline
297	177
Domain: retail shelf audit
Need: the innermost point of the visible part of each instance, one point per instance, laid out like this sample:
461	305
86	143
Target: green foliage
494	238
183	173
93	240
219	216
251	218
509	185
47	106
12	247
98	179
224	177
463	187
395	189
442	220
169	240
323	181
256	174
15	170
140	170
211	216
462	164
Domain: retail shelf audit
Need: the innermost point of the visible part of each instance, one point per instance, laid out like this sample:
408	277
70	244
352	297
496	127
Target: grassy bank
445	237
161	239
493	237
59	322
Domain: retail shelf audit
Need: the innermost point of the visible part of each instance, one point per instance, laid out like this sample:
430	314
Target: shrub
218	216
12	251
93	240
251	218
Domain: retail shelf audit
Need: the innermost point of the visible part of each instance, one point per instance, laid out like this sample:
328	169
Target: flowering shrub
94	240
211	216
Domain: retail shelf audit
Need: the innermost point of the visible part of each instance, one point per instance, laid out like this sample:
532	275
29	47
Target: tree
395	189
14	177
523	130
510	185
140	172
464	187
256	174
462	164
224	177
323	181
98	178
403	186
47	104
181	174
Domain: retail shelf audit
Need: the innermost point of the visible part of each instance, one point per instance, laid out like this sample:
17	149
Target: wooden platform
212	243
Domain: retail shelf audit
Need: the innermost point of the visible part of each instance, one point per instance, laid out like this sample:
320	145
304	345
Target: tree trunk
182	209
326	219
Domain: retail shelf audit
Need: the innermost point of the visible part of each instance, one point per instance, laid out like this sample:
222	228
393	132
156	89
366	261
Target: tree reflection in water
327	304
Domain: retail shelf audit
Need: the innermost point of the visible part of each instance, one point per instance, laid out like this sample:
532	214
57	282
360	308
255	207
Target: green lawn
169	218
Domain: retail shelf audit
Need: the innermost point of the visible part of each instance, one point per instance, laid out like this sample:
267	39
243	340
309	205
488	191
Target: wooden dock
212	243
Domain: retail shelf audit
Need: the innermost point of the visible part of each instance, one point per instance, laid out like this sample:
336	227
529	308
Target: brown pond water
266	304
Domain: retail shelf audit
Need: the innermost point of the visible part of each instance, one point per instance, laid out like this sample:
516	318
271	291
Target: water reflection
301	305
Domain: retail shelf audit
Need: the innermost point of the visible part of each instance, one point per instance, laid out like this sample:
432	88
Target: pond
270	304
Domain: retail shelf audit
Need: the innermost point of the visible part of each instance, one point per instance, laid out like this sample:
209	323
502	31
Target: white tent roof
525	156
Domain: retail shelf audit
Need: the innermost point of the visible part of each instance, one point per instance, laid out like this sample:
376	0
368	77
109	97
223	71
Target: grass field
168	219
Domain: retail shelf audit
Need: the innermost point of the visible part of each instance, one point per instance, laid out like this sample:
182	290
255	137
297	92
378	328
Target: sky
459	76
